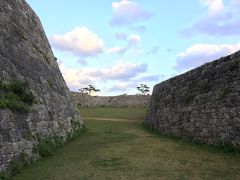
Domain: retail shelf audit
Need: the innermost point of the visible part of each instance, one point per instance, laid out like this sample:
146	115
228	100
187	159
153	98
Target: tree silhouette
89	89
144	89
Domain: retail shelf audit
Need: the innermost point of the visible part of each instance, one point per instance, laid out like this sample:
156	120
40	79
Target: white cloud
121	36
80	41
126	12
117	50
150	78
214	6
220	19
199	54
139	28
153	50
83	62
126	86
134	39
75	78
122	87
135	52
121	71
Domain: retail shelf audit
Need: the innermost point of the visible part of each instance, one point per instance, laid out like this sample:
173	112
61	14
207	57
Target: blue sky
117	45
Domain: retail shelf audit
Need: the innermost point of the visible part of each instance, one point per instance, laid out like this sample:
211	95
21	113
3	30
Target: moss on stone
43	54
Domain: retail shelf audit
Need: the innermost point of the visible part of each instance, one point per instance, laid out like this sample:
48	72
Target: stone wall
26	55
84	100
202	104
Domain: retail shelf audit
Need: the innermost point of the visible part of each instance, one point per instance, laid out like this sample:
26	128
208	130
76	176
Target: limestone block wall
84	100
25	54
202	104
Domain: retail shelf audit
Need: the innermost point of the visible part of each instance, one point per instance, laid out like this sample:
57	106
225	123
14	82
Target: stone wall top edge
140	95
207	65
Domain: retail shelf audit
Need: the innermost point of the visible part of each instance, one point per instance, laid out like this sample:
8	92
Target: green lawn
112	112
125	150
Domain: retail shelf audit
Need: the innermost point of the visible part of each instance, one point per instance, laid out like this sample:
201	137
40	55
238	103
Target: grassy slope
124	150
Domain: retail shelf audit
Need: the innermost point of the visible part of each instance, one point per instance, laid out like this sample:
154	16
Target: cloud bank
120	71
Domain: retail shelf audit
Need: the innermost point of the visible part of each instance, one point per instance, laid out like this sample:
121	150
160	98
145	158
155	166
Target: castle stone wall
25	55
84	100
202	104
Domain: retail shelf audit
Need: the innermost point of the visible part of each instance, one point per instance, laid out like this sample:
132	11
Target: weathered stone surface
25	54
202	104
84	100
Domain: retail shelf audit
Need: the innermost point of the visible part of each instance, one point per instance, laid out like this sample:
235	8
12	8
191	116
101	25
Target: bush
13	102
4	176
225	92
48	145
28	97
17	87
75	133
43	54
45	148
20	88
16	105
24	160
16	96
15	167
228	147
221	146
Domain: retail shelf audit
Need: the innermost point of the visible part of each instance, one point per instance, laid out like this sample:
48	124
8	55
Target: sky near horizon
116	45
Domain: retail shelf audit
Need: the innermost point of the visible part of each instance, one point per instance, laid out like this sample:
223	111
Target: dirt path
110	119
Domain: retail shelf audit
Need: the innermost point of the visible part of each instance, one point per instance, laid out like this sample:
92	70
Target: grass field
117	113
125	150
